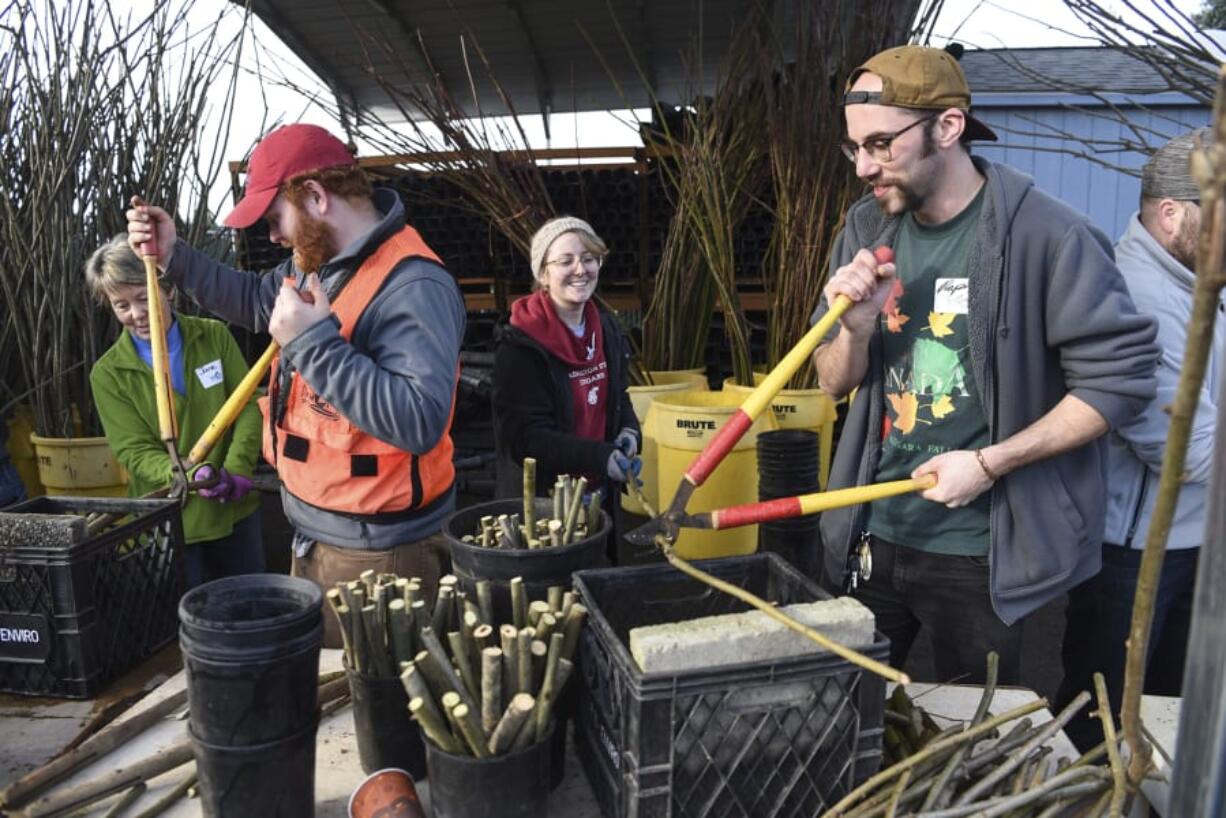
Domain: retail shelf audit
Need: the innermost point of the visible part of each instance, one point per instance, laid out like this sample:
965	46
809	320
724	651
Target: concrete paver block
752	636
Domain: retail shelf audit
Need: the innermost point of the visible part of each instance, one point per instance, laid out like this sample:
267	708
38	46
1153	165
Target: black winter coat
534	414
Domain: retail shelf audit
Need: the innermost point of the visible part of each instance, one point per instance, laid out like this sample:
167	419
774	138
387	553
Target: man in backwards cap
1157	256
994	354
358	416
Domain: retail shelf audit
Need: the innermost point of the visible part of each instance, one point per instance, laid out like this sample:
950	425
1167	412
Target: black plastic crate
78	616
785	739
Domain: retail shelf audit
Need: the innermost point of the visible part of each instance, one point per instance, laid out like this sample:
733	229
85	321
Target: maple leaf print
938	323
942	406
891	301
895	320
905	408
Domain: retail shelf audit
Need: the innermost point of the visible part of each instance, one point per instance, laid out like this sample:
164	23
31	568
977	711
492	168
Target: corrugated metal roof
586	55
537	48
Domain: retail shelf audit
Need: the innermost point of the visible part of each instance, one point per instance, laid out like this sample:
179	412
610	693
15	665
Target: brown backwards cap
914	76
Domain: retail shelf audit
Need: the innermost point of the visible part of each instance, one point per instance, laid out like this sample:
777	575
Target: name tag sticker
951	295
210	374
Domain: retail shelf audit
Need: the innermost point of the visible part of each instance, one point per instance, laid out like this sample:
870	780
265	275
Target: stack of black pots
787	466
251	655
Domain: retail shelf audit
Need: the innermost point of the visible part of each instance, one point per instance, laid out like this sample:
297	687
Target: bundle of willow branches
475	686
96	109
489	158
803	74
993	766
714	168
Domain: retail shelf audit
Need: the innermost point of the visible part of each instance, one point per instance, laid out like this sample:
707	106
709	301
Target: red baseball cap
283	154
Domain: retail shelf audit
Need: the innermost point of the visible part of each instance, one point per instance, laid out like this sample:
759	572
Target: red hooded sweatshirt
587	371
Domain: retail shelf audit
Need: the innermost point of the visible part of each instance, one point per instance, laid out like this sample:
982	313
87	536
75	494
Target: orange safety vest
328	462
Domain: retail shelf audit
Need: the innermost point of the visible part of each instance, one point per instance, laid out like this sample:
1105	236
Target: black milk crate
85	613
783	739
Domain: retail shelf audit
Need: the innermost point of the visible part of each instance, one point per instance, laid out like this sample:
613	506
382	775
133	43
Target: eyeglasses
588	260
879	147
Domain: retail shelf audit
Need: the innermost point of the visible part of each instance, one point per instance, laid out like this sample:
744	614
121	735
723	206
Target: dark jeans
11	488
240	553
910	588
1099	619
326	564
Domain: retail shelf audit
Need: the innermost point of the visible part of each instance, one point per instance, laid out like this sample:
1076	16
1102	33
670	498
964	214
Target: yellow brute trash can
641	397
79	466
801	409
685	423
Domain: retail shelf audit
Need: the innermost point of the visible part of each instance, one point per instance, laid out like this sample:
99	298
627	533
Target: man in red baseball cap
358	413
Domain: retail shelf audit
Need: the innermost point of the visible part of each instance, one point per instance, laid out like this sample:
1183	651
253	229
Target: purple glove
219	491
239	486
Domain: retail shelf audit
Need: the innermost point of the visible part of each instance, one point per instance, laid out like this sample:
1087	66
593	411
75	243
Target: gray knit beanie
549	231
1166	174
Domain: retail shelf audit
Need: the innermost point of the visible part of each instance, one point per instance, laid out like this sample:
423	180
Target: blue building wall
1037	137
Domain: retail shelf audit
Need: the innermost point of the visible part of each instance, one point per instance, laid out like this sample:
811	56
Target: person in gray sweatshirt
1157	256
361	397
993	354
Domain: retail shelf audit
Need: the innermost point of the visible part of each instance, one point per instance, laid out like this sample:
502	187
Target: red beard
312	243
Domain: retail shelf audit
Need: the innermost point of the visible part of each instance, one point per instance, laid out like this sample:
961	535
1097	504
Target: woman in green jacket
221	523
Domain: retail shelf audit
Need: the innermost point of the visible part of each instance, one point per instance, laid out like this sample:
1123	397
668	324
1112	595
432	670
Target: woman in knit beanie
560	374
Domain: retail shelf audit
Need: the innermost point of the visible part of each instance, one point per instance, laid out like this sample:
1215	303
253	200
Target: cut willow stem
1044	734
989	691
1068	783
530	494
1119	789
168	800
106	784
1209	170
891	810
129	798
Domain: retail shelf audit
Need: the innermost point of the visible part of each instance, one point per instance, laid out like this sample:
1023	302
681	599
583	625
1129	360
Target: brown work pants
326	565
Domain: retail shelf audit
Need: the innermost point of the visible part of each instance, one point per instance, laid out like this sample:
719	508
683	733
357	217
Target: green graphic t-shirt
932	404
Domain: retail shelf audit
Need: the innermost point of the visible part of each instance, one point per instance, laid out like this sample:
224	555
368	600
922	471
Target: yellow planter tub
642	398
79	466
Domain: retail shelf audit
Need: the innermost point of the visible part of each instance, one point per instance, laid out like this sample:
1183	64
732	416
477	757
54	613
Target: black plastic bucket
564	712
273	780
515	785
540	567
787	466
387	736
251	653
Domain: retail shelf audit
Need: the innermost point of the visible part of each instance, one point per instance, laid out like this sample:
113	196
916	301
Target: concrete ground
35	729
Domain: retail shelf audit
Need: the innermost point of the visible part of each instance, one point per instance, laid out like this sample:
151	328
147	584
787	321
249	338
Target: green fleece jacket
123	393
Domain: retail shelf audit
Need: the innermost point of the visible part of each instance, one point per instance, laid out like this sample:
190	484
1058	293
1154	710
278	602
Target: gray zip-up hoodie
395	379
1161	287
1049	316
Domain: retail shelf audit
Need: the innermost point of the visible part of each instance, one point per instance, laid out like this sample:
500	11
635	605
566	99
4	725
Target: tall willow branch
489	159
813	184
1209	170
95	108
716	170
